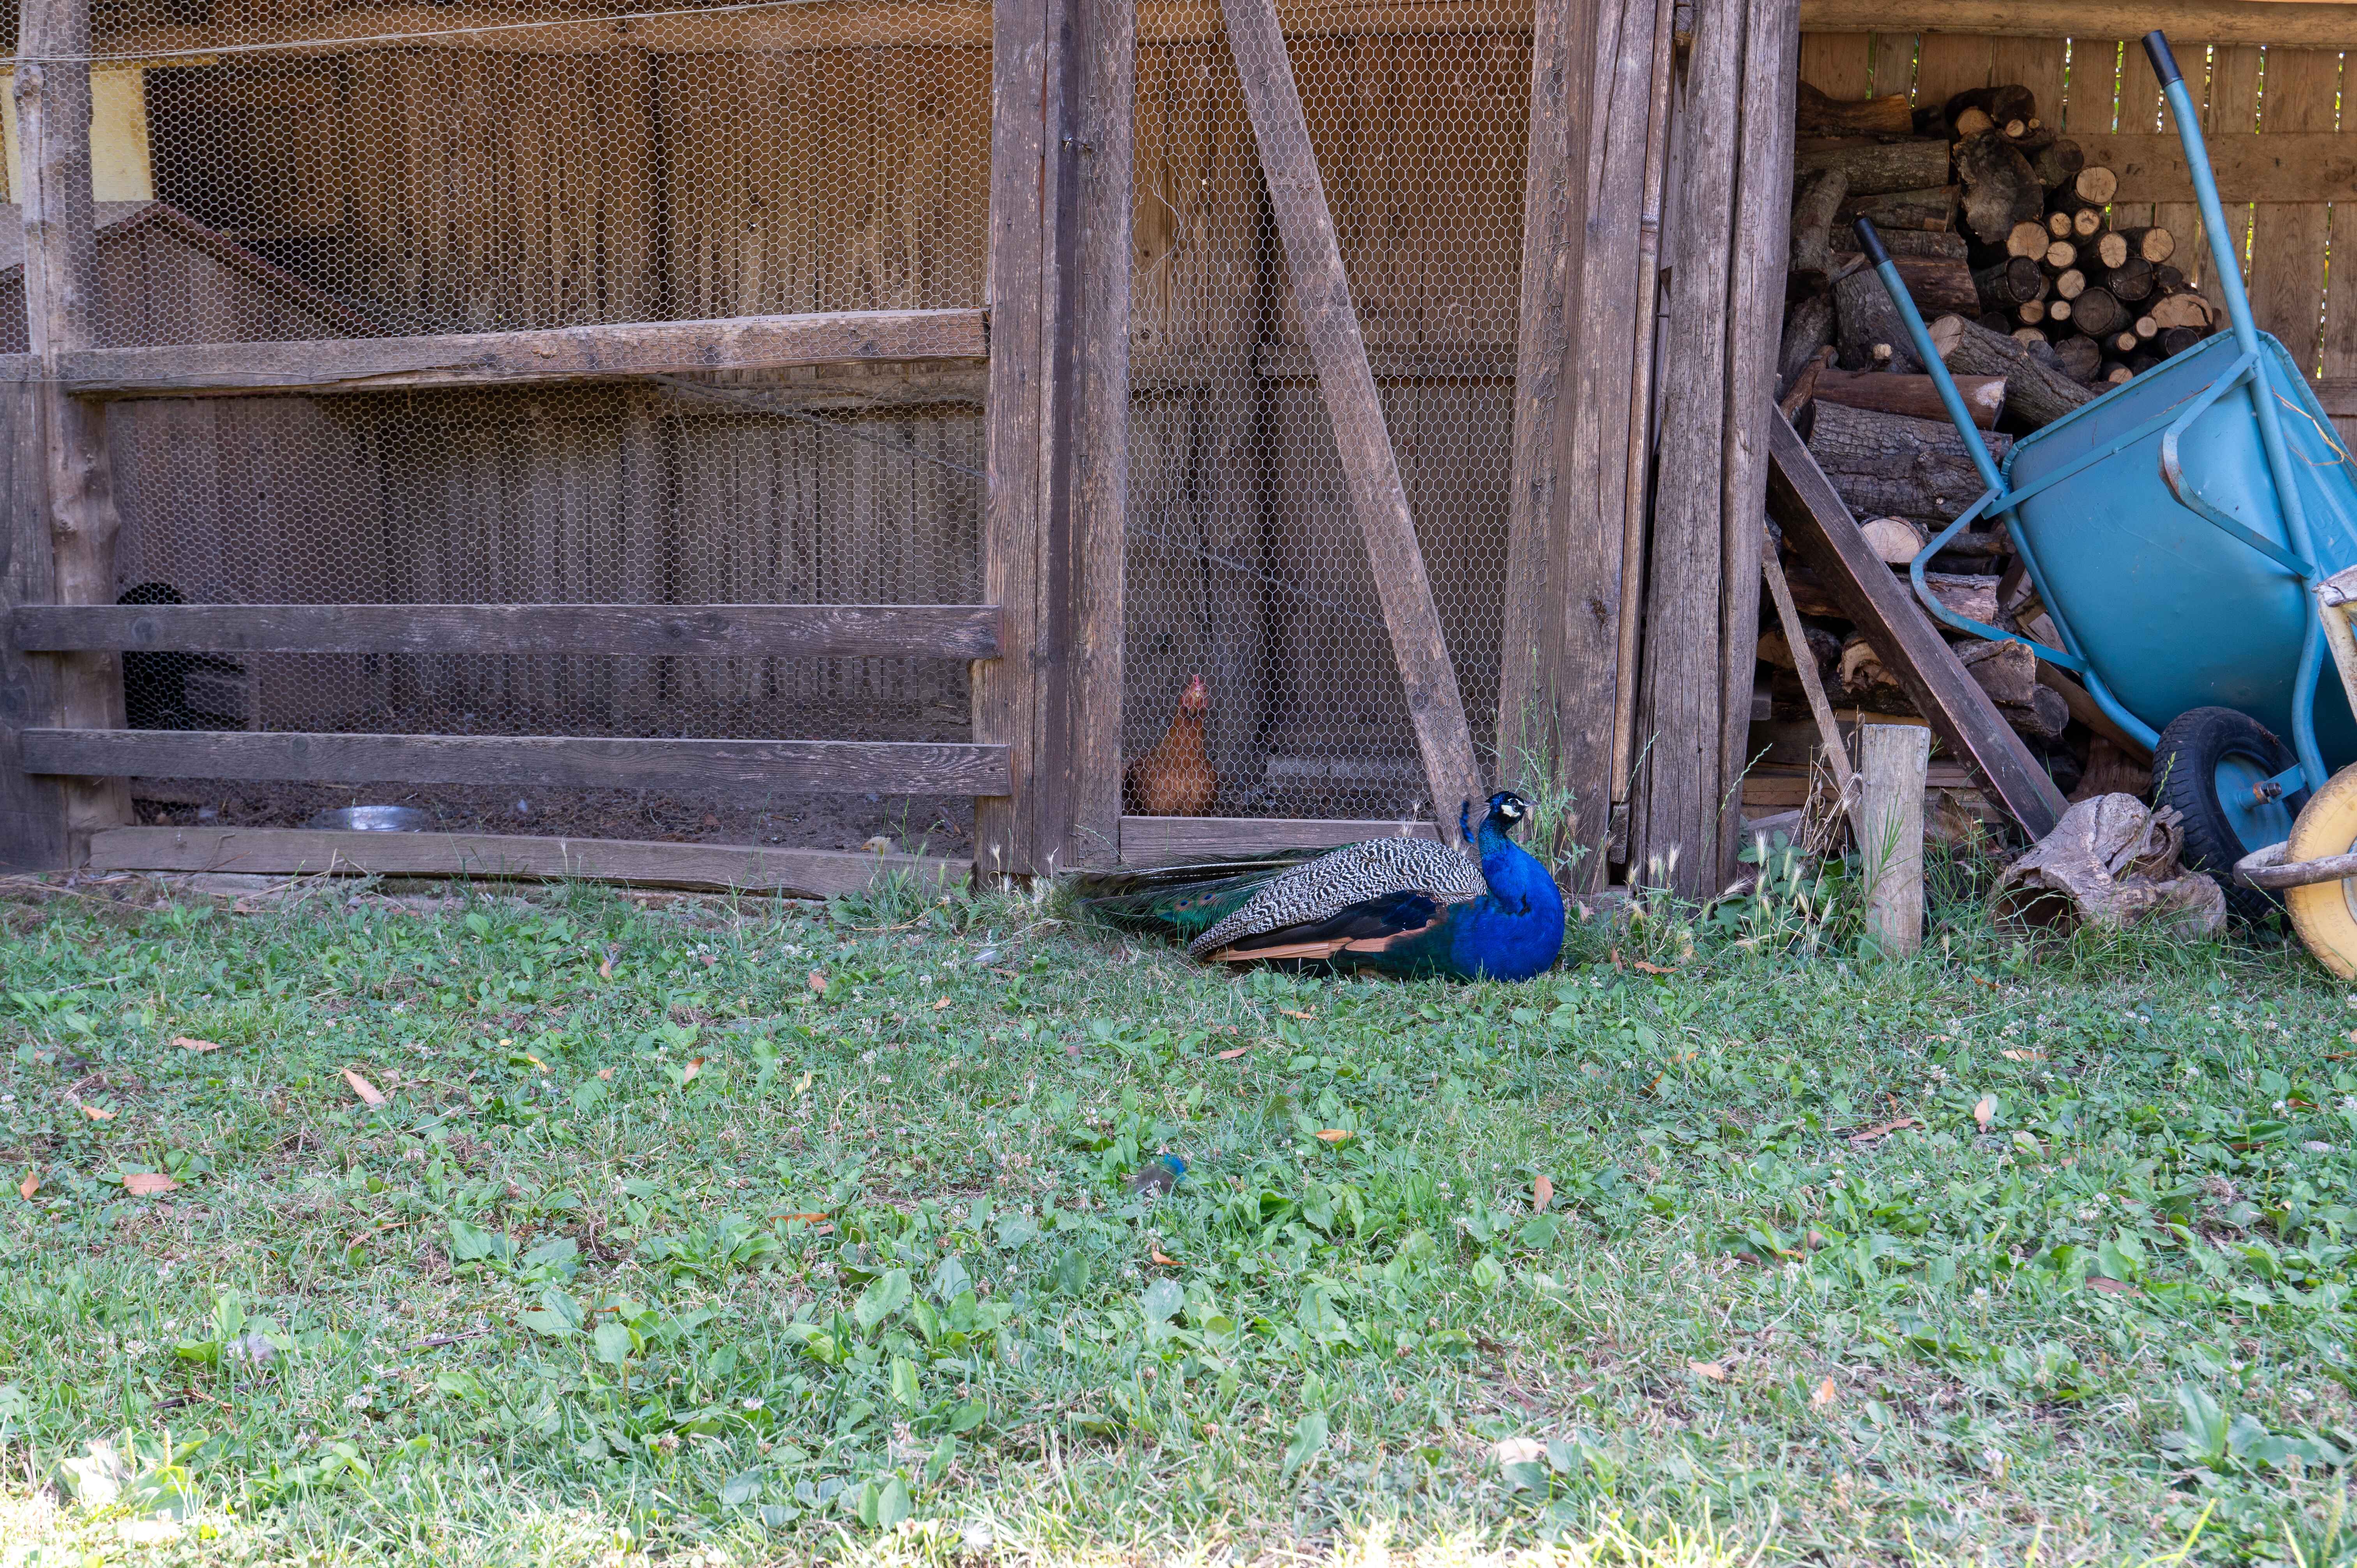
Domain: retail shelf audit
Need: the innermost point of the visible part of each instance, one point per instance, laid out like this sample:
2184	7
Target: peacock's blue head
1507	811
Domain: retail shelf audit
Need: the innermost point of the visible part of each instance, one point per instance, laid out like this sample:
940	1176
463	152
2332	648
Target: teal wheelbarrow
2179	532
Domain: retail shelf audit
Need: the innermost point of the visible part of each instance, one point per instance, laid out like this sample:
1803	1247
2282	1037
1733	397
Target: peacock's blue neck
1519	933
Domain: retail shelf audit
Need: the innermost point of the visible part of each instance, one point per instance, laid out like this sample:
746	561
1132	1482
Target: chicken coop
756	444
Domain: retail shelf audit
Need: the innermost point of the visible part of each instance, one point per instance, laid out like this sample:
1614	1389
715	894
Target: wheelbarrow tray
2169	611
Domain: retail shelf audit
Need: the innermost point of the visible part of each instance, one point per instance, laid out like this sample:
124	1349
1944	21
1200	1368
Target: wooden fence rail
520	359
754	768
791	631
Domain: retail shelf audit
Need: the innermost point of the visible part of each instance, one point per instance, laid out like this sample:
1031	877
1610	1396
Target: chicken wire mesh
288	170
1245	562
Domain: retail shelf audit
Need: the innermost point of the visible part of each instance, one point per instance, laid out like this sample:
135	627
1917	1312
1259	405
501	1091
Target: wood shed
687	445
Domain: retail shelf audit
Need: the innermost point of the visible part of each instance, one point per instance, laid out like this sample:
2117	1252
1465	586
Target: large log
1818	114
1932	209
2058	163
1869	333
1808	331
1914	396
2036	392
2098	315
1917	243
1804	504
2000	190
1817	198
1890	465
1880	168
2014	281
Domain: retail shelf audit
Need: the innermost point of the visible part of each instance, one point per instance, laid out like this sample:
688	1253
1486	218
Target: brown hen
1175	779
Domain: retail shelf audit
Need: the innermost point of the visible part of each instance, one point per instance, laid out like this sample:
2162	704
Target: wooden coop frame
1656	206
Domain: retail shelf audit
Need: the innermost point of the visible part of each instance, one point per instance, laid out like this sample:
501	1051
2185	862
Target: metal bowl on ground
373	820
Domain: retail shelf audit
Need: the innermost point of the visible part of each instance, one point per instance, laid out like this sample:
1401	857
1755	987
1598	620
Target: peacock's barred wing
1342	877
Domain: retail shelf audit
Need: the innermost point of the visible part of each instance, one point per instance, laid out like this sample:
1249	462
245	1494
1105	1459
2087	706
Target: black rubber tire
2184	774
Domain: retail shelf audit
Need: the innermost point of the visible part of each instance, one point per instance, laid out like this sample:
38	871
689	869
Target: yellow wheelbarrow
2316	868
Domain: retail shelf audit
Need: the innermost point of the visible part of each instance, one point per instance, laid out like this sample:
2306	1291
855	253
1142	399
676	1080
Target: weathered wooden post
85	690
1891	764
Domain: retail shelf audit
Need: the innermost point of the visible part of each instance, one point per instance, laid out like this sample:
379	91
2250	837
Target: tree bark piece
1932	210
2036	392
1870	332
1370	471
1890	465
1914	396
1999	188
1892	761
1808	331
1816	115
1817	199
2181	310
1880	168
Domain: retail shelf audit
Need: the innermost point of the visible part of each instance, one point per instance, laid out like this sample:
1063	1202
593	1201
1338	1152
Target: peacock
1405	907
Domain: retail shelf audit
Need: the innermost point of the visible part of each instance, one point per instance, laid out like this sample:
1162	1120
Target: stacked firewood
1991	217
1999	229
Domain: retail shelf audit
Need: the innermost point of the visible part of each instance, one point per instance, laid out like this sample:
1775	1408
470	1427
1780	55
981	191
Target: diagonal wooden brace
1339	350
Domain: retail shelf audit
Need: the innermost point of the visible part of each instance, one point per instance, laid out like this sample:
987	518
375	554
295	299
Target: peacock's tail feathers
1181	901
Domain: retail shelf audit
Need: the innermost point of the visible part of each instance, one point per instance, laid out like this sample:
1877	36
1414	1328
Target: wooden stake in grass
1892	762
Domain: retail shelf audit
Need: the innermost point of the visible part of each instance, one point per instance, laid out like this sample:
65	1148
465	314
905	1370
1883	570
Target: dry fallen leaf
1231	1055
1642	967
370	1095
2023	1056
1541	1194
1291	1014
1336	1134
1519	1450
1827	1393
818	982
812	1218
605	1072
1883	1129
694	1066
2112	1287
941	1005
186	1044
1715	1370
1164	1258
605	968
146	1184
1984	1112
29	1186
98	1113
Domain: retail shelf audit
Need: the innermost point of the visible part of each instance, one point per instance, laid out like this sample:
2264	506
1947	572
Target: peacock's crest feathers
1374	868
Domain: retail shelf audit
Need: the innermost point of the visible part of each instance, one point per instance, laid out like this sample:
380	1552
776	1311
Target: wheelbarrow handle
2164	64
1920	340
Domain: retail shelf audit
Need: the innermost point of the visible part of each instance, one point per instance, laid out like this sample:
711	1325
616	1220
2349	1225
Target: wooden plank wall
598	495
2101	86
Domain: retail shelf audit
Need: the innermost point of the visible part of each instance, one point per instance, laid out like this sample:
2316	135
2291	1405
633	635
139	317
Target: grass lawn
573	1227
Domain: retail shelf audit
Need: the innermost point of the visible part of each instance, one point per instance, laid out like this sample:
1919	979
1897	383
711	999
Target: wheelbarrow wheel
2208	765
2325	913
